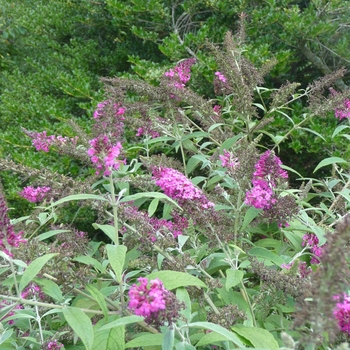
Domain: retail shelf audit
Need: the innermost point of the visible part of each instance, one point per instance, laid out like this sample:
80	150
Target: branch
320	64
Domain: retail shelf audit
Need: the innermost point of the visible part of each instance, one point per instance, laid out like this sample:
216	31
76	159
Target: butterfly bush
180	74
178	187
42	142
144	300
342	312
53	345
312	242
343	113
267	175
220	76
35	194
8	238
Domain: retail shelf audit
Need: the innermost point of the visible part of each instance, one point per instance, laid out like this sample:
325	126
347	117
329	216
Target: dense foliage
201	240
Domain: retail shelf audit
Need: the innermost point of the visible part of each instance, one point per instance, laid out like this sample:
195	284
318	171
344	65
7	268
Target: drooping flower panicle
177	186
35	194
181	73
312	242
268	173
104	154
8	238
342	312
343	113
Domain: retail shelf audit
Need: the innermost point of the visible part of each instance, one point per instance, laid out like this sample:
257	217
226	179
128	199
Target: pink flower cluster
268	173
100	110
147	301
42	142
177	186
153	227
54	345
228	160
220	76
342	312
105	147
175	227
35	195
33	290
8	238
342	113
104	154
147	130
180	74
312	242
4	303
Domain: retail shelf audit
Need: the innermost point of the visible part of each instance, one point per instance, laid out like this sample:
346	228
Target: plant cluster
202	242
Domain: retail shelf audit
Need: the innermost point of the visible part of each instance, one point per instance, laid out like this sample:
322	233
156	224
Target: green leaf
146	195
266	254
153	207
259	337
5	336
109	339
211	338
109	230
230	142
183	296
122	322
99	297
249	216
233	277
176	279
78	197
88	260
50	288
149	339
33	269
81	325
168	340
191	164
218	329
313	132
49	234
328	161
338	129
116	256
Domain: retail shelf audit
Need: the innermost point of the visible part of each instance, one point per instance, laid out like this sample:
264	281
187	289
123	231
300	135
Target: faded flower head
177	186
181	73
8	238
35	195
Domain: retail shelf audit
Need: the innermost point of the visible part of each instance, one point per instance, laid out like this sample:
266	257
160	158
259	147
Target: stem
115	209
55	306
50	306
14	276
212	305
291	130
38	320
183	158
